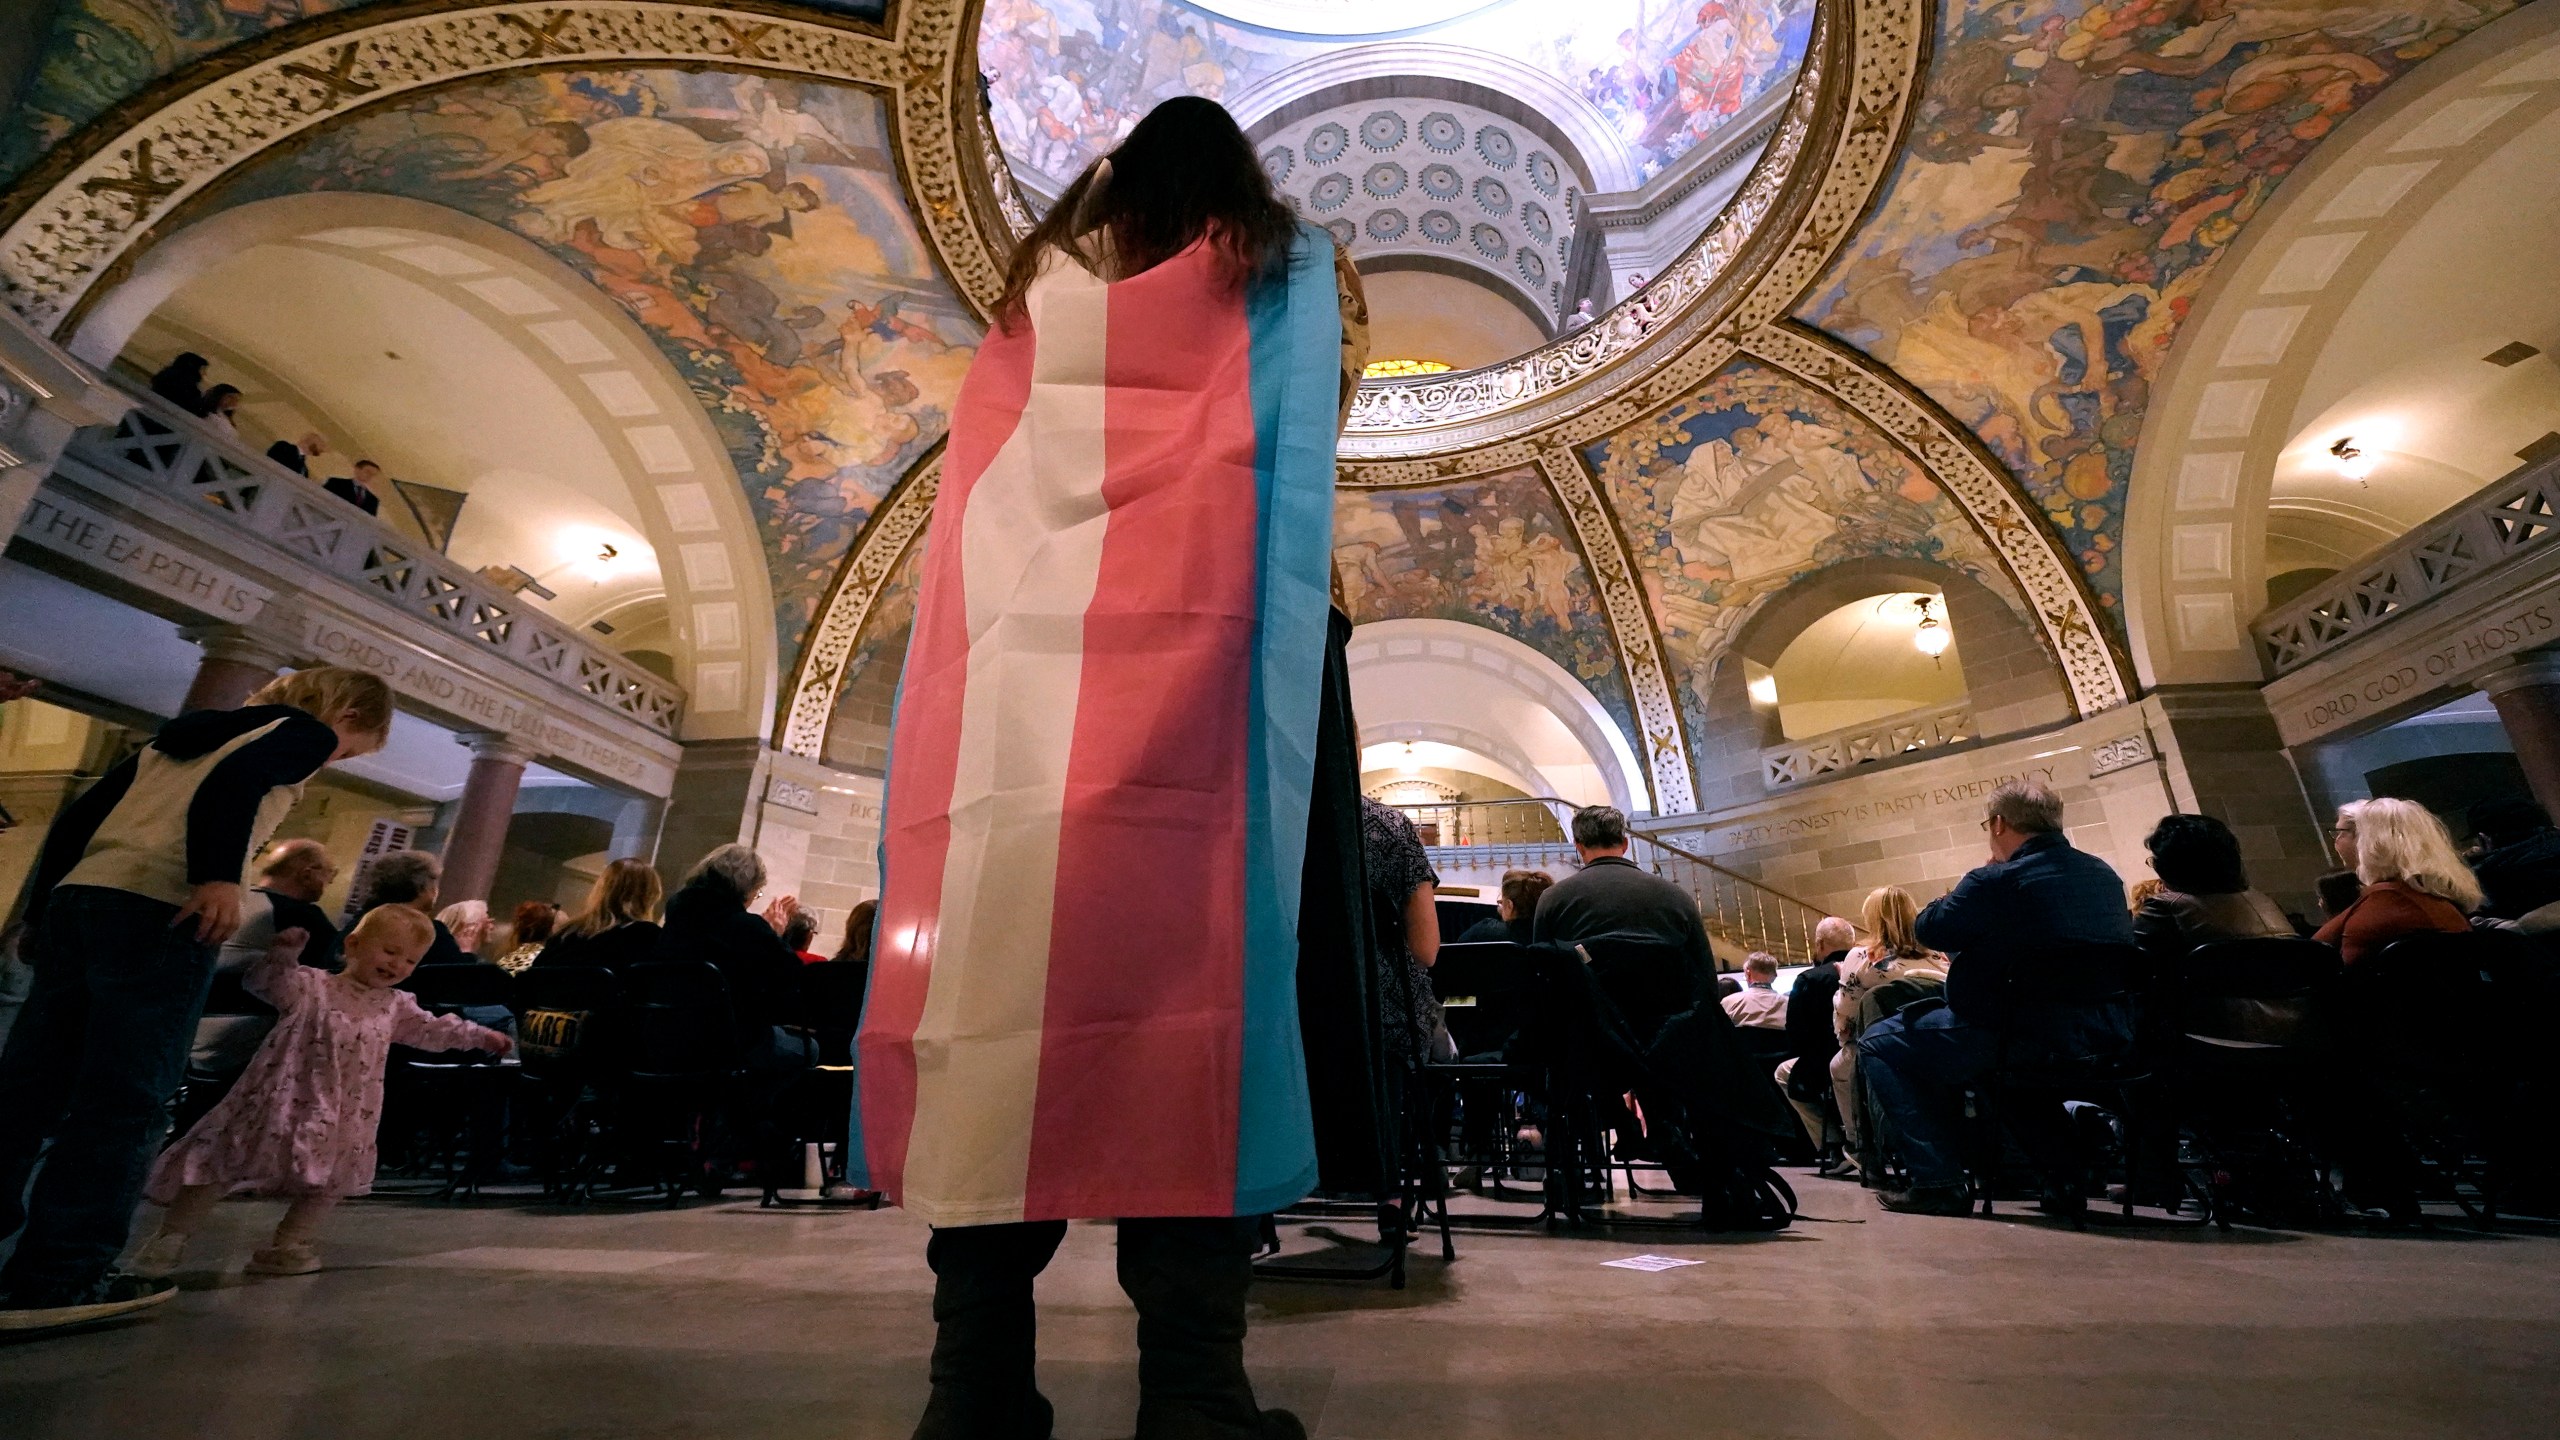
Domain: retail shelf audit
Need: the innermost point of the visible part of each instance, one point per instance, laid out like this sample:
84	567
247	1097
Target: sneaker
159	1256
1927	1200
118	1295
283	1260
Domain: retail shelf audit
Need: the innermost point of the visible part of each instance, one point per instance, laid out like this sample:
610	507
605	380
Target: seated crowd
2042	964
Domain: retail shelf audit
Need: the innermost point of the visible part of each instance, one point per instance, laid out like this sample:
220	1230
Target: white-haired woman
710	918
2414	882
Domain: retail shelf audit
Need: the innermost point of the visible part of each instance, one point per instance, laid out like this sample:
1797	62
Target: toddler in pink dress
301	1122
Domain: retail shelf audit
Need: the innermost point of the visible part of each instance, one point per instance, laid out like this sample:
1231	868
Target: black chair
2069	1115
2449	1077
675	1057
1486	993
448	1107
2241	1073
564	1028
818	1107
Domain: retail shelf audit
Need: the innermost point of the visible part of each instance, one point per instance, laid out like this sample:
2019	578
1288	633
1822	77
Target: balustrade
248	498
1800	760
2520	515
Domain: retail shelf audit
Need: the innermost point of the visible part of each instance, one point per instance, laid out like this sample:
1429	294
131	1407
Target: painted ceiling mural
1752	483
98	52
1494	551
753	226
2071	176
1069	77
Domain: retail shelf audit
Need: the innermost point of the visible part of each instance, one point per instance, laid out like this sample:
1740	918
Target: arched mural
2072	174
754	227
1755	480
1493	551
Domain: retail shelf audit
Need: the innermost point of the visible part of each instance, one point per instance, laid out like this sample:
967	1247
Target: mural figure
752	227
1068	77
2074	171
1494	551
1754	482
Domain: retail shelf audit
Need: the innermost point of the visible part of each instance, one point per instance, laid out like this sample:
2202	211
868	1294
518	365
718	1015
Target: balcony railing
1531	834
1800	760
159	448
2519	515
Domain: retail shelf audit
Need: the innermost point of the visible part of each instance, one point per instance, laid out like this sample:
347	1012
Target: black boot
985	1340
1188	1279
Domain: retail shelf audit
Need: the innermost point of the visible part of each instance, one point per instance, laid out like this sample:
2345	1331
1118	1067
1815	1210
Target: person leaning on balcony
138	885
297	455
358	489
1612	898
181	382
222	408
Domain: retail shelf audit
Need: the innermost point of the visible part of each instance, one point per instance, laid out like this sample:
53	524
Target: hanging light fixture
1932	638
2353	463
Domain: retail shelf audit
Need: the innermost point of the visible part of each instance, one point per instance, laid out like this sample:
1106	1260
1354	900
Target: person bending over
138	885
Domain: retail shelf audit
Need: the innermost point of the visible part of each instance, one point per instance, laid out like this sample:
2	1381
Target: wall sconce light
1931	639
2352	462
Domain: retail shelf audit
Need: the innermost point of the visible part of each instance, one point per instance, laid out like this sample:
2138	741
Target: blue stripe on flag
1296	332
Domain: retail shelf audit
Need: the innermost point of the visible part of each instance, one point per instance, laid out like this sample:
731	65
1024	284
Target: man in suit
297	455
359	489
1811	1038
2015	987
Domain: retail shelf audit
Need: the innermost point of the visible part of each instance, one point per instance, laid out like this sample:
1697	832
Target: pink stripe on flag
916	828
1146	967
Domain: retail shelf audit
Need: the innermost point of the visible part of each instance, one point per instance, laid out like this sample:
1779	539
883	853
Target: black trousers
1187	1277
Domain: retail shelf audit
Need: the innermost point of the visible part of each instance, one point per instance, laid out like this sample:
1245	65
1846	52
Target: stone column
236	662
2527	694
479	831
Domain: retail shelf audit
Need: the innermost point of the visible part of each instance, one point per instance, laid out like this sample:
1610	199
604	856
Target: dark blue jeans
1917	1067
90	1066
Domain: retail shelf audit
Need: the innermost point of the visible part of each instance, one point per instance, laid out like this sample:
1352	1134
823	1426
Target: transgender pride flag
1083	988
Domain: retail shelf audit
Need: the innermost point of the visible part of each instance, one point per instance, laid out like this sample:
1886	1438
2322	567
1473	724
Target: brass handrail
1745	913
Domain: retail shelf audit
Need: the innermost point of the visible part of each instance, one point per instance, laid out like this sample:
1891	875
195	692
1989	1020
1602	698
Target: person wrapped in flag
1083	984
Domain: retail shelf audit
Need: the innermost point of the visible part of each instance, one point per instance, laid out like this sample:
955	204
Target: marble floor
534	1323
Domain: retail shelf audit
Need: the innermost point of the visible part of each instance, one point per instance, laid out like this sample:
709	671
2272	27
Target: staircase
1741	914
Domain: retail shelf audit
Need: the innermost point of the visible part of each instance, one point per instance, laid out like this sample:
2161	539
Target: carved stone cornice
884	541
1954	458
107	188
1663	740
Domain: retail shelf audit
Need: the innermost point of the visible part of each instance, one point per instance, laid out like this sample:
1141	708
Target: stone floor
723	1320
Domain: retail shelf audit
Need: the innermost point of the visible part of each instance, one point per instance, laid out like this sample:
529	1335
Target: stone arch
2197	515
1491	693
683	486
2012	683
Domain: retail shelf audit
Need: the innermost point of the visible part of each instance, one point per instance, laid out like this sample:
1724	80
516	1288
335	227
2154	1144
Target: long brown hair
1184	173
628	890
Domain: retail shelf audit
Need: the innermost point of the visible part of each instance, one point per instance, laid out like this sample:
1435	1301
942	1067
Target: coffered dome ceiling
1444	183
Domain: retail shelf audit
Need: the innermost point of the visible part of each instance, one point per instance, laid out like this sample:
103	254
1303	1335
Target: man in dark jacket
2520	868
1811	1041
2014	986
138	884
1612	898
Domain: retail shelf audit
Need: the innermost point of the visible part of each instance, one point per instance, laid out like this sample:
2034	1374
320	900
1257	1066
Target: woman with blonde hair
1892	951
617	926
2414	881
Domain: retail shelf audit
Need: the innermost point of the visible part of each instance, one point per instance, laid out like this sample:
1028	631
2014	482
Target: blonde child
300	1123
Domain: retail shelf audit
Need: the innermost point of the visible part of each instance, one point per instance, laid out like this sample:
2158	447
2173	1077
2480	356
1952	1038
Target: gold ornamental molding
100	196
1827	162
1663	739
1953	457
885	539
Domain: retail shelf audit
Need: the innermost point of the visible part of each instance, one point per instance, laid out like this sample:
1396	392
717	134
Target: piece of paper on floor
1650	1263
